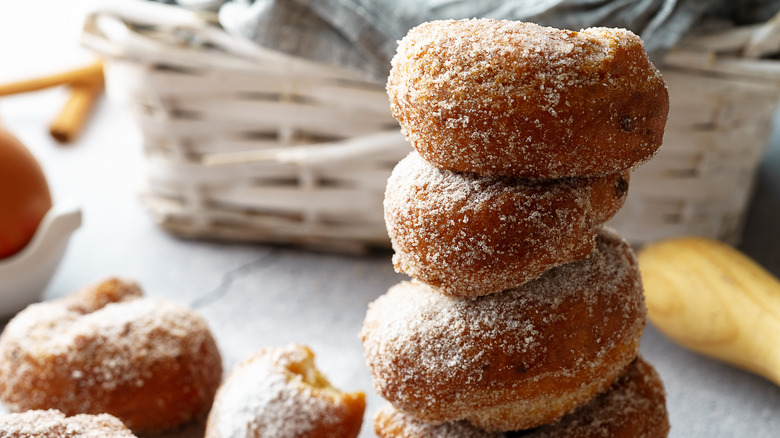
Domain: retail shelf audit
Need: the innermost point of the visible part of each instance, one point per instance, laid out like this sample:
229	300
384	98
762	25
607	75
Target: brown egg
24	195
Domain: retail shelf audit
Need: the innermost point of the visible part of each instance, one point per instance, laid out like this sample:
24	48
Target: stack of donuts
524	313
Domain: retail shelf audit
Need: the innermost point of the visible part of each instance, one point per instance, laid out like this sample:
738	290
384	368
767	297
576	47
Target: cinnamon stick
88	74
73	116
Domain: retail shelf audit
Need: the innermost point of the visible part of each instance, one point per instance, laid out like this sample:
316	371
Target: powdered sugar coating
267	396
54	424
152	363
510	98
390	423
538	350
633	407
469	235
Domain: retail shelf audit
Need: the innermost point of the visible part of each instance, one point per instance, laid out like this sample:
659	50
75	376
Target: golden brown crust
469	235
152	363
543	348
511	98
633	407
278	392
607	195
54	424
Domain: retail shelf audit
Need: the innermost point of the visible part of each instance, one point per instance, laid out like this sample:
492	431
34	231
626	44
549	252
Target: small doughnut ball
150	362
633	407
518	99
279	393
512	360
54	424
469	235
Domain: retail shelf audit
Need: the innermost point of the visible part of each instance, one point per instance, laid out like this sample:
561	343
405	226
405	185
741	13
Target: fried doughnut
512	360
150	362
279	393
633	407
469	235
518	99
54	424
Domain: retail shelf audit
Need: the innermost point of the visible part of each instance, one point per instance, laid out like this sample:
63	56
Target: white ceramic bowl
24	276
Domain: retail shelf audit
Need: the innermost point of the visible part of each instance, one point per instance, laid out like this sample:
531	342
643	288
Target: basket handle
109	20
152	13
765	40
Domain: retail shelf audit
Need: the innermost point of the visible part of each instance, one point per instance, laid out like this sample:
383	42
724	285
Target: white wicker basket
723	98
248	144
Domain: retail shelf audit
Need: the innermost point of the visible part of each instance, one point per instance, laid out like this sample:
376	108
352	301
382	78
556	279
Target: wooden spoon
712	299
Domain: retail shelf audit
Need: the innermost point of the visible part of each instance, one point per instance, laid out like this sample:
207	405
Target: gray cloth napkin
363	34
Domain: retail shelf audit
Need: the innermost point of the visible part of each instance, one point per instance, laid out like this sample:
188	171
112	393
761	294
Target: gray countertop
255	296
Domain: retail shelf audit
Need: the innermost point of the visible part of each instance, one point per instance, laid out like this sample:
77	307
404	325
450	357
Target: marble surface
255	296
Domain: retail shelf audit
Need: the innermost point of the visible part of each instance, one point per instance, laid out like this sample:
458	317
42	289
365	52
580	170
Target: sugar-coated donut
511	98
469	235
54	424
512	360
633	407
150	362
279	393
